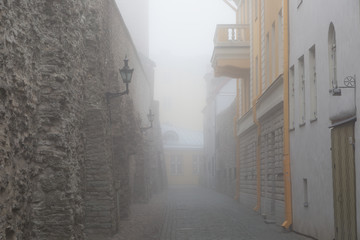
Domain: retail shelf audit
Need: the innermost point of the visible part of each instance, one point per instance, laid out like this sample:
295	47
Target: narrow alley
195	213
179	120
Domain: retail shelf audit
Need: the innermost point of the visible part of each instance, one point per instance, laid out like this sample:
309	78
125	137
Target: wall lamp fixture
126	75
150	116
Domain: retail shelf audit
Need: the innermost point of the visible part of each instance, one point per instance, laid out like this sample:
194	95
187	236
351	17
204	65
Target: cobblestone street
193	213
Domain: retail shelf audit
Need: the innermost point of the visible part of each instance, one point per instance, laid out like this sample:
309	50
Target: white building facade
220	94
324	134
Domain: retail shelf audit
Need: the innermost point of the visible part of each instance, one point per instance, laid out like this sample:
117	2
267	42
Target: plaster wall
271	11
248	167
225	148
220	93
255	48
225	96
310	143
272	180
209	143
188	176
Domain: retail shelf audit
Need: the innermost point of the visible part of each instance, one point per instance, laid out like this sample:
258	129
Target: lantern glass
126	72
129	74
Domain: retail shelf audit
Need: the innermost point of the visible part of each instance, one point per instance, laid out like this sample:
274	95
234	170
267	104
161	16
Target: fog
178	36
181	44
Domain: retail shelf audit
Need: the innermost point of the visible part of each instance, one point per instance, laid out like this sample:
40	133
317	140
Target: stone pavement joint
194	213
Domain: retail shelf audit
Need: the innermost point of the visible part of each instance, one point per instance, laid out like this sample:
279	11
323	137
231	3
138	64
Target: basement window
306	200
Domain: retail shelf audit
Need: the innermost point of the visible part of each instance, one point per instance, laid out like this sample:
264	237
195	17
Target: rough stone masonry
65	150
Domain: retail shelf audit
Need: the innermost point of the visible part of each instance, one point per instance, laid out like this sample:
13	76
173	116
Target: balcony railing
232	34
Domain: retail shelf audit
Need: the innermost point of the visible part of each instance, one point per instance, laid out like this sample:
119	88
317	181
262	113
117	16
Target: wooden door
343	160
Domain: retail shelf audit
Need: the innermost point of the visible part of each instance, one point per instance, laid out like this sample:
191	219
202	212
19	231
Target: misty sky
181	44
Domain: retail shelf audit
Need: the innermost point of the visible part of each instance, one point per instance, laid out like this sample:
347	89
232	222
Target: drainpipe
237	147
237	154
258	160
257	123
287	174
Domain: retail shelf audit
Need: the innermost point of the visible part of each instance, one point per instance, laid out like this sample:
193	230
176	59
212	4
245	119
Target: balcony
231	56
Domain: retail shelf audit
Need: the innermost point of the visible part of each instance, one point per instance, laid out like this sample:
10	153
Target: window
312	84
267	60
273	55
256	9
291	98
239	99
256	76
196	164
246	95
176	165
332	57
243	12
306	197
280	41
213	166
301	91
248	11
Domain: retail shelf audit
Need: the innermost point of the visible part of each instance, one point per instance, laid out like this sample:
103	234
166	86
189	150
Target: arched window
332	57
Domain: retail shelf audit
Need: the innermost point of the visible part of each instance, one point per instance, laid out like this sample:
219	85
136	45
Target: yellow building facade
183	151
182	166
263	173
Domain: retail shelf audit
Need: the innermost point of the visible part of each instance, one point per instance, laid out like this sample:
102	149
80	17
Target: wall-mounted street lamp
126	75
150	116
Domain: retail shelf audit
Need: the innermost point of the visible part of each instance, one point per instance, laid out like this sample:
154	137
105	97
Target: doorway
343	164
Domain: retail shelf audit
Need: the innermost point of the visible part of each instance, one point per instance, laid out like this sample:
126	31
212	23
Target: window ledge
299	3
314	119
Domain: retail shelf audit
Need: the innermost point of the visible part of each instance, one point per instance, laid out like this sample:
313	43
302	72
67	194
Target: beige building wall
271	28
190	162
255	48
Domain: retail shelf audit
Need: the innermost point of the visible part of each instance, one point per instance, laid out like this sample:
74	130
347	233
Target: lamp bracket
143	129
110	95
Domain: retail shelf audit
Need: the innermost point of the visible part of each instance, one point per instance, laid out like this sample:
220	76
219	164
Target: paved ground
146	220
198	214
202	214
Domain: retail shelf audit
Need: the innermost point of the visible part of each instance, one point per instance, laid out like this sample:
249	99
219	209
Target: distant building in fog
220	94
183	150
